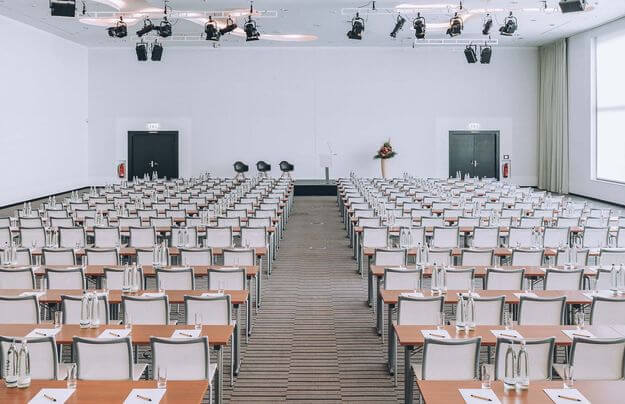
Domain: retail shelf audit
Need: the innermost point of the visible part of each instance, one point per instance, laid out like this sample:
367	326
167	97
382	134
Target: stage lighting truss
459	42
174	14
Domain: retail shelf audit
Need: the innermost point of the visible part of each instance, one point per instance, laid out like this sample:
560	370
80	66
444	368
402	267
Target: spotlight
485	53
509	26
211	31
455	26
470	53
147	27
358	26
120	30
419	26
570	6
157	51
63	8
488	24
251	32
230	26
164	29
398	26
142	51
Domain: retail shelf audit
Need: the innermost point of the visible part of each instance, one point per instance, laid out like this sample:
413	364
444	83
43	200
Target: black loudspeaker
142	52
63	8
469	53
157	52
485	54
572	6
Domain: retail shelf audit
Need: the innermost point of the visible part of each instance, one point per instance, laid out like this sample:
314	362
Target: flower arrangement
386	151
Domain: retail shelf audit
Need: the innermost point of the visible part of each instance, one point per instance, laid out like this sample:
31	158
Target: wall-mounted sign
153	126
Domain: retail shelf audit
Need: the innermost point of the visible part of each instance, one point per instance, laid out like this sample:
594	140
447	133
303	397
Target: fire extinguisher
121	170
506	170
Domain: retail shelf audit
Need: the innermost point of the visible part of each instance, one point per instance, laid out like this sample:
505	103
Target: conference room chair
402	221
511	213
520	237
56	213
596	222
192	235
439	256
193	221
607	311
228	221
531	258
17	278
114	278
420	213
261	222
445	237
127	222
568	221
161	222
238	256
437	354
19	310
475	257
603	279
254	237
620	237
146	213
564	256
597	358
539	352
56	222
488	310
68	278
595	237
227	279
44	364
145	256
102	256
90	222
468	221
504	279
72	237
218	237
240	213
390	257
195	256
30	222
369	222
556	237
428	222
32	237
142	237
556	279
460	279
611	256
402	279
24	257
175	278
6	238
73	206
185	359
146	309
452	213
106	359
83	213
5	222
71	307
174	214
530	222
59	256
541	310
106	237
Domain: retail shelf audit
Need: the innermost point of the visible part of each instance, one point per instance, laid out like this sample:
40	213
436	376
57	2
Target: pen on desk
185	334
438	335
144	397
116	335
508	335
481	398
40	333
569	398
49	397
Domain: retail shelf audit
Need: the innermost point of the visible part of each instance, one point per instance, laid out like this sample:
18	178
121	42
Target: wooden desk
190	392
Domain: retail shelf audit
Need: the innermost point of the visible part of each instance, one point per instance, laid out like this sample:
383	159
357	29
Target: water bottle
426	254
434	280
522	369
163	254
94	317
419	255
126	287
621	280
135	279
509	379
155	255
469	314
23	366
461	308
442	283
85	311
614	278
10	366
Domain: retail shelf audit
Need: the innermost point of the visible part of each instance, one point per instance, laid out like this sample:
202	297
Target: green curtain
553	129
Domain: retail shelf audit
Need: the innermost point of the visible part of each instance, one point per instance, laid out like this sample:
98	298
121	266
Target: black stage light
157	51
485	53
164	29
63	8
470	53
240	167
263	167
509	26
142	51
399	24
488	24
358	26
419	26
211	30
571	6
147	27
230	26
455	26
251	32
120	30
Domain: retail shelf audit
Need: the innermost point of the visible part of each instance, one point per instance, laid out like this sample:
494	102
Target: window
610	114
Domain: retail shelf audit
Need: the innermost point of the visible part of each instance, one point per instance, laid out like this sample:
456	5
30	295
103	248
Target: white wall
43	129
582	120
274	104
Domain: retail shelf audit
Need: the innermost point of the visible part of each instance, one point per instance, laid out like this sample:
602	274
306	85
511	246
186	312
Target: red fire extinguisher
121	170
506	170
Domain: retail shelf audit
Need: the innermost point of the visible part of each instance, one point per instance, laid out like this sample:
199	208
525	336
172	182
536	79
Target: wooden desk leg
408	377
237	342
391	339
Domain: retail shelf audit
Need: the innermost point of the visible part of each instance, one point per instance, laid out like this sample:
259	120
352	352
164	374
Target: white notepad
152	294
33	293
156	395
435	334
572	393
602	293
507	334
114	333
486	393
211	294
411	294
47	332
578	333
186	333
528	294
466	294
60	395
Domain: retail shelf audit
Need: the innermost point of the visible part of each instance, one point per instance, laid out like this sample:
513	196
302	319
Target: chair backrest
175	278
30	222
598	358
439	353
390	257
254	237
71	307
145	256
595	237
6	238
485	237
520	237
564	256
432	221
17	278
567	221
195	256
161	221
106	237
596	221
556	279
239	256
541	310
142	237
69	278
227	279
530	258
185	359
417	235
191	233
59	256
539	353
215	310
70	237
445	237
488	310
620	237
123	221
102	256
459	279
468	221
611	256
402	279
504	279
147	213
603	279
375	237
146	310
419	310
471	257
439	256
607	311
555	237
44	364
218	237
229	221
57	213
240	213
259	221
19	310
103	358
32	237
57	222
24	257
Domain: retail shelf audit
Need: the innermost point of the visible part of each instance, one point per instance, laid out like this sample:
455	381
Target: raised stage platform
315	188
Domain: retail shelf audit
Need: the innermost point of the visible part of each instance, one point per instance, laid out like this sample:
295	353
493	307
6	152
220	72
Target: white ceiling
325	20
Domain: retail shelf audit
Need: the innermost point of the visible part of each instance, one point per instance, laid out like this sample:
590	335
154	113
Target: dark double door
153	151
476	153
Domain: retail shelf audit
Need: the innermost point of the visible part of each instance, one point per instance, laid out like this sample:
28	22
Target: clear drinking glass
71	376
42	285
567	380
161	289
161	378
198	321
579	320
507	320
127	321
58	319
487	376
221	285
441	321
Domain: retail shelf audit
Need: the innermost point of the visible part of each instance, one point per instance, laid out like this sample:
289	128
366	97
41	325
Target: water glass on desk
507	320
441	321
567	378
71	376
579	320
487	376
198	321
161	377
58	319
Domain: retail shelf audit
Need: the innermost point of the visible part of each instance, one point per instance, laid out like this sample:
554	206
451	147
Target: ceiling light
251	32
509	26
399	24
164	29
63	8
470	53
419	26
211	30
230	26
455	26
120	30
570	6
147	27
142	51
157	51
485	53
358	26
487	25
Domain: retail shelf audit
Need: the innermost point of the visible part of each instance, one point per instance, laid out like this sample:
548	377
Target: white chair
504	279
556	279
106	237
226	279
30	222
259	222
106	359
146	310
6	238
596	222
402	279
472	257
239	256
17	278
145	256
175	278
469	221
59	256
369	222
607	311
191	234
71	237
69	278
102	256
44	363
568	257
488	310
142	237
620	237
254	237
439	256
445	237
419	310
114	278
438	354
555	237
147	213
390	257
195	256
531	222
218	237
240	213
128	222
24	257
229	222
603	279
539	352
56	222
598	358
401	221
567	221
71	307
19	310
215	310
595	237
459	279
541	311
418	236
527	258
485	237
32	237
374	237
611	256
57	213
519	237
431	222
161	222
